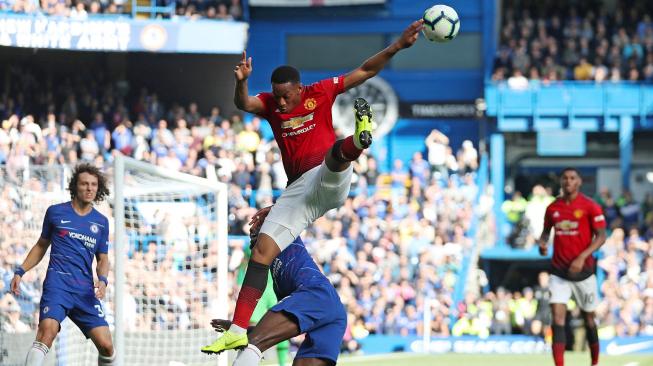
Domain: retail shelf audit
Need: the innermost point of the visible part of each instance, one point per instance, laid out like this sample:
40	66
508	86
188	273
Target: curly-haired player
77	233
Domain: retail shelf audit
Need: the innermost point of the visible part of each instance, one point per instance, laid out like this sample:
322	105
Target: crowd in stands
85	9
589	40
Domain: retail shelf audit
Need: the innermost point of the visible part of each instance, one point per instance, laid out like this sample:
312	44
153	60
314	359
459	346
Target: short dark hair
102	187
285	74
569	169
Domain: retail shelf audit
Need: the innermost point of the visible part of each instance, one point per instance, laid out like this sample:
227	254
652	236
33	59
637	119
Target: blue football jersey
293	268
74	241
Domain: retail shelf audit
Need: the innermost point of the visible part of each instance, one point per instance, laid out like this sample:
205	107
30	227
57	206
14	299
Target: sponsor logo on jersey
298	132
599	218
296	122
94	229
310	104
566	227
65	221
88	241
578	214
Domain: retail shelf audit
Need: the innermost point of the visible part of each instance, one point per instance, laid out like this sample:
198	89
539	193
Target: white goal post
171	264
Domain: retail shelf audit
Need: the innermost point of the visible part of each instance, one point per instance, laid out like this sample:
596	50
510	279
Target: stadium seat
622	99
516	103
587	100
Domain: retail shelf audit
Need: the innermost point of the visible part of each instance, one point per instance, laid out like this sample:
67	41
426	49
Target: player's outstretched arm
376	63
242	99
33	258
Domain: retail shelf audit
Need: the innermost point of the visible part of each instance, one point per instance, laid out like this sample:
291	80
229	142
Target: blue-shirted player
308	304
77	232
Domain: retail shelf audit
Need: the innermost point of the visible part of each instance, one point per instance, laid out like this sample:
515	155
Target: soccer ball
441	23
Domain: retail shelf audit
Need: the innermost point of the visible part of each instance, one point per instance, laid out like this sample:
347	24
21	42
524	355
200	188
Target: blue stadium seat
552	101
587	100
516	102
491	99
622	99
647	101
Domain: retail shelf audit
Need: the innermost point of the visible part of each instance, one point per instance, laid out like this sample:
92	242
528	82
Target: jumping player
579	232
77	233
318	167
309	305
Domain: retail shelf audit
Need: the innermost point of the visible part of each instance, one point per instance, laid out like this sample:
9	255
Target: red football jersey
574	223
306	133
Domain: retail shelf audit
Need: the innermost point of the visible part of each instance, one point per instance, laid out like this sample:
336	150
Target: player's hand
259	217
256	222
577	265
15	285
410	34
544	249
244	68
221	325
100	289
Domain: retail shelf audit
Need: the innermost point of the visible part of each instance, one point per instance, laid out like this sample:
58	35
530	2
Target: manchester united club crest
578	214
310	104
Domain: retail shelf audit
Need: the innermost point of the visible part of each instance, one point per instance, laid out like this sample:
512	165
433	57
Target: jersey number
100	313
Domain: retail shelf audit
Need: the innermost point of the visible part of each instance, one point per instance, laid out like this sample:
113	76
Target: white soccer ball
441	23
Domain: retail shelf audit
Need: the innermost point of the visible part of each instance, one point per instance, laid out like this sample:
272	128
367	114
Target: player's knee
47	332
105	348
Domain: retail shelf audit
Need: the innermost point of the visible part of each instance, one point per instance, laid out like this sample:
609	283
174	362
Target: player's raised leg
101	337
256	278
349	149
47	332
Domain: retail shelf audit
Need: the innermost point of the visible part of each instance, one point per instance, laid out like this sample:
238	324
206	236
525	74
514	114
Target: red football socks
245	305
348	149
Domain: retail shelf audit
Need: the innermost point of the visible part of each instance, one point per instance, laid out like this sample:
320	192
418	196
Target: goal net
170	264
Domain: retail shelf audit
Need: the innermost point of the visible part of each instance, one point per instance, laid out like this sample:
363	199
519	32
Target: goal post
171	264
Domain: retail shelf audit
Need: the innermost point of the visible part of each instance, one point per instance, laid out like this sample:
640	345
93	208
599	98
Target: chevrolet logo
296	122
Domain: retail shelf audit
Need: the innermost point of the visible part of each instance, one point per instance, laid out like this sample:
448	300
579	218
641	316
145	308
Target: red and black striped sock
256	278
349	150
559	343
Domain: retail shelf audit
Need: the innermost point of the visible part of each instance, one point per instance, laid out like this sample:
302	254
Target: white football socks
250	356
36	354
236	329
106	360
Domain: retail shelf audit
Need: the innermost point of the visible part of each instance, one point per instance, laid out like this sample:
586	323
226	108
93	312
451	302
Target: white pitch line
632	364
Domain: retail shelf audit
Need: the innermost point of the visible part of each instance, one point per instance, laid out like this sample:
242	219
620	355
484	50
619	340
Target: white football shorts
304	201
586	292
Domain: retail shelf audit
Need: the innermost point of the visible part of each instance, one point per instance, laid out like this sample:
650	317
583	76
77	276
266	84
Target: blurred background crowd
549	42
